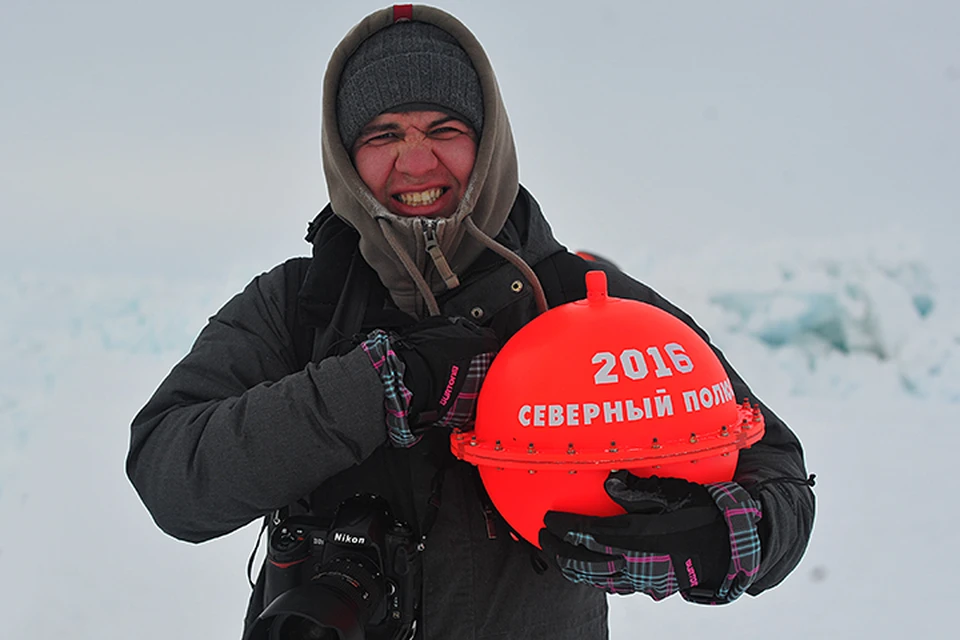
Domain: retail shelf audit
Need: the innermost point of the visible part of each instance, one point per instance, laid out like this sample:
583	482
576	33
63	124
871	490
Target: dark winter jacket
242	427
275	406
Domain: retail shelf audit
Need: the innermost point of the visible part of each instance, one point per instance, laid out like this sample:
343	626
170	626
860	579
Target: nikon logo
346	538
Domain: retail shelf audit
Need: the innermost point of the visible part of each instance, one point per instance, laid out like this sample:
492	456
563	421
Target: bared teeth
420	199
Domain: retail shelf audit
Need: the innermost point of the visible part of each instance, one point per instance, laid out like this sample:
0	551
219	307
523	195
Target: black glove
675	536
438	353
431	374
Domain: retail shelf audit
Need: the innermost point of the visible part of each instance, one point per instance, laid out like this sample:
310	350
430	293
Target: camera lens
337	604
302	629
357	580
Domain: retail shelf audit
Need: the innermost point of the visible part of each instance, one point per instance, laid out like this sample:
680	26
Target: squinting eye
379	139
446	133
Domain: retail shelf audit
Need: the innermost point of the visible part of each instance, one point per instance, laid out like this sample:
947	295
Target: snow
854	349
833	308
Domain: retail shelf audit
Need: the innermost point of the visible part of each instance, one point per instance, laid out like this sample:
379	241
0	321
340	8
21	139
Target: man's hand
432	374
700	540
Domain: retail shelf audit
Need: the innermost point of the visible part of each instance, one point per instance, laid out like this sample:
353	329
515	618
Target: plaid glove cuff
619	571
396	396
741	513
707	549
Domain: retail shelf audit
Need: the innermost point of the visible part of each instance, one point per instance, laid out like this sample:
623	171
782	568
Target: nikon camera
356	579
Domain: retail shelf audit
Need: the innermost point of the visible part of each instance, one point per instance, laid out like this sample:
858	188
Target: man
326	376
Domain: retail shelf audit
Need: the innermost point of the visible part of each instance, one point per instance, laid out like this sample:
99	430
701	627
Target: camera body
356	577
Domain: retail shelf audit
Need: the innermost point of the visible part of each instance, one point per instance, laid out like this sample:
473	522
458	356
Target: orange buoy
595	385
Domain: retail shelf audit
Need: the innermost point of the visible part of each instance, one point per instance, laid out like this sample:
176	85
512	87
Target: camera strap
253	554
400	470
433	504
270	521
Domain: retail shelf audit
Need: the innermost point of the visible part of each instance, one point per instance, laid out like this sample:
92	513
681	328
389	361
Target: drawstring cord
512	258
443	267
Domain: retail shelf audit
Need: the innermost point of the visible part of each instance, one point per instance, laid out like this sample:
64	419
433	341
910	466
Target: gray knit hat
407	65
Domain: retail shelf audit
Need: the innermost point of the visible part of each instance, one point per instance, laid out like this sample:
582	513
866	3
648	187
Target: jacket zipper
436	254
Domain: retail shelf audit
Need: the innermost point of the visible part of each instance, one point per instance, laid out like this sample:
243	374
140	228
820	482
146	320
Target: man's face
416	163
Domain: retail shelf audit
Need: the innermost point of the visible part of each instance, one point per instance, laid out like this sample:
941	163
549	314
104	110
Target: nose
415	156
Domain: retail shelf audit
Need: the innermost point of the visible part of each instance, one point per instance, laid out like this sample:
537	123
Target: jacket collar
339	281
339	276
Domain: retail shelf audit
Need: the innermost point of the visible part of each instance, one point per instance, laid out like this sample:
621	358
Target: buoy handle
596	287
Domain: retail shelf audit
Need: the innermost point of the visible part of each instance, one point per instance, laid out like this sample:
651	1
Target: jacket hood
396	246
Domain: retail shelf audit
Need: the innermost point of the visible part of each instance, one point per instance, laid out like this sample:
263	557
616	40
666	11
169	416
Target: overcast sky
182	137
